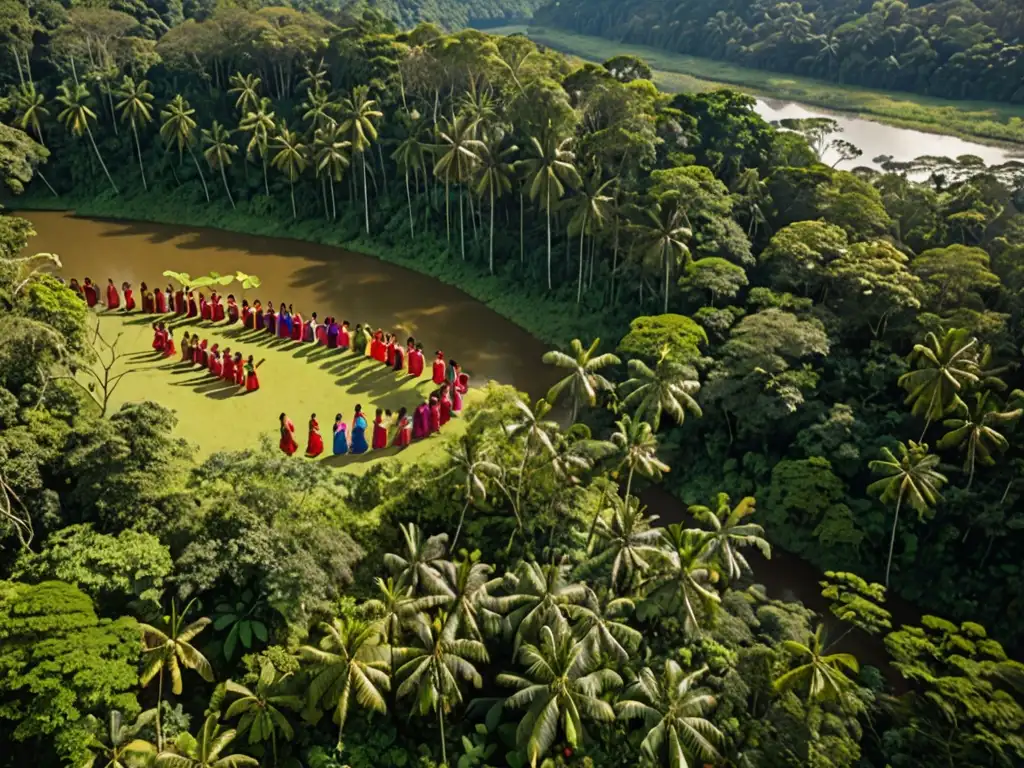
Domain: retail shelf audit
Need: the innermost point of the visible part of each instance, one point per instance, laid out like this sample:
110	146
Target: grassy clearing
680	73
296	378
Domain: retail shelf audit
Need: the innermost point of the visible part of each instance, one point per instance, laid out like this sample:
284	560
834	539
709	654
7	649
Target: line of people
238	369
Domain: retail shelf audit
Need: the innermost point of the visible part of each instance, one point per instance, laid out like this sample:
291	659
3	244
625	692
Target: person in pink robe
435	415
298	326
227	365
403	429
192	310
439	368
421	422
445	403
218	308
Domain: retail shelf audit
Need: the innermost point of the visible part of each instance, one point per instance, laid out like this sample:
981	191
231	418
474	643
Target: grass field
296	378
680	73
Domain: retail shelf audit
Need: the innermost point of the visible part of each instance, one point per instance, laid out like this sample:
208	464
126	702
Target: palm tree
204	752
359	115
583	382
943	367
411	155
975	432
347	665
459	150
218	152
729	533
317	108
290	159
562	685
466	587
602	621
260	125
118	747
260	710
494	178
135	107
76	116
330	156
669	387
248	89
912	477
178	127
663	238
436	667
473	471
396	606
676	731
818	677
628	540
30	109
170	648
536	431
541	596
419	565
638	448
682	583
547	173
316	79
592	207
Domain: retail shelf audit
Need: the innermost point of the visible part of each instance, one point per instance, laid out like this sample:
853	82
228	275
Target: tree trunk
548	206
440	720
202	178
138	151
458	529
100	158
665	256
579	286
522	230
408	200
447	212
224	178
892	540
462	223
266	181
366	195
334	205
291	185
490	258
159	705
323	196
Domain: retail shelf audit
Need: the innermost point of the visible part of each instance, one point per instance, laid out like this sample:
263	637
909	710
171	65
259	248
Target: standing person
246	315
205	311
113	297
359	341
332	333
287	444
284	321
147	299
421	421
197	353
309	332
169	299
298	325
129	299
461	385
321	332
252	382
159	302
179	302
389	351
416	360
410	347
74	286
439	368
445	403
158	337
192	309
186	348
379	351
380	432
435	415
358	442
403	429
169	348
92	296
218	308
239	367
315	441
270	319
232	309
344	338
450	373
340	436
227	365
399	359
216	366
258	318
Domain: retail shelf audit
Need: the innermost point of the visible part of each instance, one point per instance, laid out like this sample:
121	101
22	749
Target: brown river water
360	288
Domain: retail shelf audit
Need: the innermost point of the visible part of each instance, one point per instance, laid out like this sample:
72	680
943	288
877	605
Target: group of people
386	348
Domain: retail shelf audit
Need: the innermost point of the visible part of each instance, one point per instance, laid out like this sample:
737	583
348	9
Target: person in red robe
227	365
159	302
186	347
403	429
169	348
416	361
389	351
218	308
381	354
439	368
129	299
298	326
421	422
158	337
247	321
252	382
232	309
315	441
445	402
461	387
321	331
344	336
380	432
239	368
179	302
287	444
197	353
193	311
399	358
204	356
92	296
435	415
113	297
270	319
204	308
213	358
216	365
74	286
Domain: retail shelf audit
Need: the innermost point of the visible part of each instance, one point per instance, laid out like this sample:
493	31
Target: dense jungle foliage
842	347
956	49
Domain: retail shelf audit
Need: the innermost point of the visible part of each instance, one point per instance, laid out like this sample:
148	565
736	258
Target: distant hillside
455	14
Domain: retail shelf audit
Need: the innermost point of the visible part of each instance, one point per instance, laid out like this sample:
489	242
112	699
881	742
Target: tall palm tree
260	710
563	684
290	159
359	116
76	115
170	648
135	106
204	752
942	368
667	388
178	127
467	586
318	107
603	621
248	89
676	729
537	431
418	567
260	125
118	746
459	149
912	477
473	470
218	152
583	381
316	80
638	450
591	207
494	178
663	236
30	112
436	667
683	582
411	156
976	432
628	541
729	534
818	677
396	606
541	595
330	157
347	664
548	171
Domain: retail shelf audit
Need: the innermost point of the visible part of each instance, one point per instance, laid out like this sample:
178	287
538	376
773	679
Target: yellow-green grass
991	121
295	378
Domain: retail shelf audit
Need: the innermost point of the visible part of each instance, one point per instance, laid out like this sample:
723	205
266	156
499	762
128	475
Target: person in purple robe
421	422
